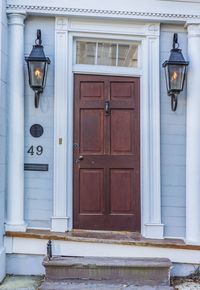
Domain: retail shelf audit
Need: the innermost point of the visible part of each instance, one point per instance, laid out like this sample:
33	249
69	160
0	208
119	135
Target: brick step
136	271
97	285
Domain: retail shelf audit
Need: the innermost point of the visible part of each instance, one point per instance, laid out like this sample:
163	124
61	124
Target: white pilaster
150	163
15	180
60	219
193	137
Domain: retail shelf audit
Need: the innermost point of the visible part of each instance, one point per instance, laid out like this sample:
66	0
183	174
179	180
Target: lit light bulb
174	76
38	73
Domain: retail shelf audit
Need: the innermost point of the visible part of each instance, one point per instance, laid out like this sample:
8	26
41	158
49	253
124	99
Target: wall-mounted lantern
37	64
175	71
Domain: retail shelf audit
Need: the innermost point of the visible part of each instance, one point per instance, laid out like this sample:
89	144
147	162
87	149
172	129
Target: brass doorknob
80	157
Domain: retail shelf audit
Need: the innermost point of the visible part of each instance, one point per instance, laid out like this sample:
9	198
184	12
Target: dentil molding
11	8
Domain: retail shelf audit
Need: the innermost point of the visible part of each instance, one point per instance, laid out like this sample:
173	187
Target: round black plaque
36	130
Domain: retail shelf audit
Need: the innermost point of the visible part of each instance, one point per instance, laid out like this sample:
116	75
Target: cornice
11	8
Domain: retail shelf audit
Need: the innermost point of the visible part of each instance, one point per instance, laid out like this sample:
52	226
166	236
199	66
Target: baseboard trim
154	231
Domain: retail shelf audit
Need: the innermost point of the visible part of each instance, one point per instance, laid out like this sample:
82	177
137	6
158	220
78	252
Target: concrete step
136	271
97	285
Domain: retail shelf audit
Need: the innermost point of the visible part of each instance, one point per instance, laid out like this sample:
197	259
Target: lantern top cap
37	53
176	56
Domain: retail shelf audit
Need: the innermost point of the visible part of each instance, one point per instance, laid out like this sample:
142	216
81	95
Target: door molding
65	31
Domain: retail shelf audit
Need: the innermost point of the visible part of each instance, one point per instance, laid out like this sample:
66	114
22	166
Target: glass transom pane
106	53
85	52
128	55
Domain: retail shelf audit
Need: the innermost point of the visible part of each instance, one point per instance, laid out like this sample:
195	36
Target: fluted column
15	180
193	137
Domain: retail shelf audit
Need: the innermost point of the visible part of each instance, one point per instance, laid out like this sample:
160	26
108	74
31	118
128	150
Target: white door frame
147	34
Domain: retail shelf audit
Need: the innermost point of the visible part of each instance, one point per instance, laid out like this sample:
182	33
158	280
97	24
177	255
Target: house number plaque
36	130
35	150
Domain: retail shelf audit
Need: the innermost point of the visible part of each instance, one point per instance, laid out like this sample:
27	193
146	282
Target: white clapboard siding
173	126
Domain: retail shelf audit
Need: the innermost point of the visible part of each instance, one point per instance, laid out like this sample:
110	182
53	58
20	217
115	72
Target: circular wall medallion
36	130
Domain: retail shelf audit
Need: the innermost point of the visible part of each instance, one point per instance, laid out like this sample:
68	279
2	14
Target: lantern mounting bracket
175	41
37	97
38	40
174	102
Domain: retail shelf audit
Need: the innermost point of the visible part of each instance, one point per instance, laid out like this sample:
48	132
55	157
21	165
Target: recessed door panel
91	191
91	131
121	191
122	131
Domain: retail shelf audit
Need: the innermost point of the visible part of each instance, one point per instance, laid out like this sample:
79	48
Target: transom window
107	53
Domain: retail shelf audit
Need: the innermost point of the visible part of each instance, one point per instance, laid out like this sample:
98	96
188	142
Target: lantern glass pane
36	73
45	74
176	75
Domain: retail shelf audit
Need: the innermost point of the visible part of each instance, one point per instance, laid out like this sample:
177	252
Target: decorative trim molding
150	139
150	118
59	221
104	12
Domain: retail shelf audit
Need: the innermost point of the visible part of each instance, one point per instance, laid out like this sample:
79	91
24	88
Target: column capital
193	28
16	18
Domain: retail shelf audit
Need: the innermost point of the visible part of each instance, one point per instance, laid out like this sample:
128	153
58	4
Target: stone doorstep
97	285
60	261
122	270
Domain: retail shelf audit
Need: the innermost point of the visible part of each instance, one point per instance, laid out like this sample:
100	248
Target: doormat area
21	283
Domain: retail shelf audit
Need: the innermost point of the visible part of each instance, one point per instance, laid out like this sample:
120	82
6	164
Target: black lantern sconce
175	71
37	64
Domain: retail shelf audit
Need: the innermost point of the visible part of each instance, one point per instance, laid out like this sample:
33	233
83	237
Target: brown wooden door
107	137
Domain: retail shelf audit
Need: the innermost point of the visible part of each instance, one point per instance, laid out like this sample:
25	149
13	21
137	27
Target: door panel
91	191
122	132
106	134
121	191
91	131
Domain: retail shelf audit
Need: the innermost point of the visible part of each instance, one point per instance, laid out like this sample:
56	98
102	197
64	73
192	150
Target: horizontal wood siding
39	185
173	126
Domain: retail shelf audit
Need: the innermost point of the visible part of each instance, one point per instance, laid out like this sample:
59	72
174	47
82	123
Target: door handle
79	159
107	108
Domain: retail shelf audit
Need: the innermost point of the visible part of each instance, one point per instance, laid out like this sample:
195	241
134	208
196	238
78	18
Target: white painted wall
3	59
39	185
173	139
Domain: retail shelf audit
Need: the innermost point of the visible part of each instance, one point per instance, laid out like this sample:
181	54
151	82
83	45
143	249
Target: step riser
139	276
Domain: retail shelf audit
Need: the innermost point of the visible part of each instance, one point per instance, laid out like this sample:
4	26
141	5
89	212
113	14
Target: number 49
37	150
